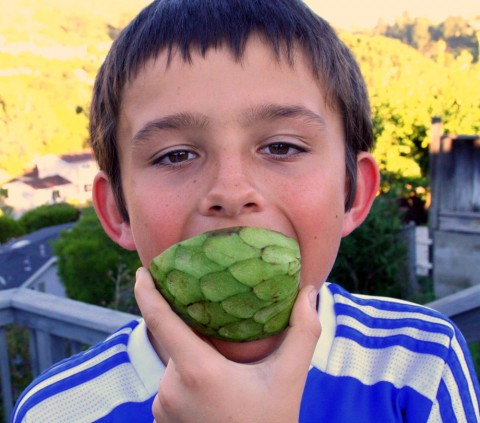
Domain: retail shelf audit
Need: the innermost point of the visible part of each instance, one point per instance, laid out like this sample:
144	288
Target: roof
49	182
77	157
31	176
31	179
23	256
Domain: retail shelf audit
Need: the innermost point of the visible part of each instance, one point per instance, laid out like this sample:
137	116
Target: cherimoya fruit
237	284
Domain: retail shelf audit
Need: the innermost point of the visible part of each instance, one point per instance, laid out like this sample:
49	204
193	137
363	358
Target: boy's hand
201	385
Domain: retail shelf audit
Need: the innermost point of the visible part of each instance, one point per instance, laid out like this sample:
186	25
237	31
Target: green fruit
237	284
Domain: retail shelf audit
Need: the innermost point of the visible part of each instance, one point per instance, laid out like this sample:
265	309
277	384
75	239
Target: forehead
173	61
218	86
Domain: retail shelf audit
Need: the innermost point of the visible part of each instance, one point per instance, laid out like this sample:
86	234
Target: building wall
456	262
22	197
48	282
454	217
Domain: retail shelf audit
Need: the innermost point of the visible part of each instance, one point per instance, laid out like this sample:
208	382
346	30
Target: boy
216	113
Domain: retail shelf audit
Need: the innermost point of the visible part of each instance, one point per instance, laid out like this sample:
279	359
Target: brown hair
197	25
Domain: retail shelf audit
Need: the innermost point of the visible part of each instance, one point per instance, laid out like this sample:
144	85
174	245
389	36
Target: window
55	195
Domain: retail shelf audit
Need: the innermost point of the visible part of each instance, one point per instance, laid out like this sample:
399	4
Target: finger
157	411
303	334
167	327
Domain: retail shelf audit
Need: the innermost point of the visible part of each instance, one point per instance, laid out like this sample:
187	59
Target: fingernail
313	296
139	270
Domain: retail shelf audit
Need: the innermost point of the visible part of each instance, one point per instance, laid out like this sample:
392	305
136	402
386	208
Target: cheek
156	225
319	251
318	223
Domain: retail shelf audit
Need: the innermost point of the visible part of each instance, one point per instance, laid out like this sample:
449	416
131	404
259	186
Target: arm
458	393
200	385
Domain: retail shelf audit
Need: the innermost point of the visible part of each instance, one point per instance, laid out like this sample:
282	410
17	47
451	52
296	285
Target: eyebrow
265	112
175	121
280	111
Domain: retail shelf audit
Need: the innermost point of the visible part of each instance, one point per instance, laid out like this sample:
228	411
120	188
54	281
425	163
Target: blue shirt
377	360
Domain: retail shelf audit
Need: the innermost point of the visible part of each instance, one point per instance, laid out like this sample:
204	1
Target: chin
248	352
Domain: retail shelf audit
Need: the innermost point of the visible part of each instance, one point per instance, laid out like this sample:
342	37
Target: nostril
216	208
249	205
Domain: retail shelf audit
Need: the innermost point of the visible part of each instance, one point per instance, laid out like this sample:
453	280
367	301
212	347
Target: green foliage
372	258
48	215
406	89
18	353
51	51
93	268
9	229
475	351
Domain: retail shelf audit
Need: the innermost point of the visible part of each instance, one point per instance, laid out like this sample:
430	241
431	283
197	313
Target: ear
368	181
107	211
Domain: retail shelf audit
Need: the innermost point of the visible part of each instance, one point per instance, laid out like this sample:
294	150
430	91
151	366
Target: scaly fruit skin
238	284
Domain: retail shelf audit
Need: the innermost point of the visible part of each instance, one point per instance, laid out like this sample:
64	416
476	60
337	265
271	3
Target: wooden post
434	154
476	173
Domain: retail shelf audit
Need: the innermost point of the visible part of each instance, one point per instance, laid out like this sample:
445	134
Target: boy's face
216	143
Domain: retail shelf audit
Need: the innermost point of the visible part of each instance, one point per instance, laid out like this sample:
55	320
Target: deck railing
463	308
58	326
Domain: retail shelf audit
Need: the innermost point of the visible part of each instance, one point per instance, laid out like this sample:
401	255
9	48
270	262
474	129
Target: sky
350	14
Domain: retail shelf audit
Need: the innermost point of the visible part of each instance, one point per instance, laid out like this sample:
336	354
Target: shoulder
408	345
71	388
383	316
384	339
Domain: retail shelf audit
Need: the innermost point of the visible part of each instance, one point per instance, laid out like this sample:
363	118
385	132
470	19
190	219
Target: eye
282	149
175	158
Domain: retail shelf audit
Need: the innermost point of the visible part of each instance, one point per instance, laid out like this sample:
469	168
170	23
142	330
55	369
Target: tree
372	258
9	229
406	89
420	34
93	268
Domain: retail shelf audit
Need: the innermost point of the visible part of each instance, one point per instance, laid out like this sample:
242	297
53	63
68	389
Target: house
29	262
67	178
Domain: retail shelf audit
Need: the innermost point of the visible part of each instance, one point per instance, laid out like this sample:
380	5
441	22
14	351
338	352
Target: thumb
304	331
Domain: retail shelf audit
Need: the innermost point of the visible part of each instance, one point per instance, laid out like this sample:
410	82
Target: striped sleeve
90	386
409	346
458	393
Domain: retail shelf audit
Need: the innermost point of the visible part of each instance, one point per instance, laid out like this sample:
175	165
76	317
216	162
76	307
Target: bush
475	351
48	215
372	259
9	229
93	268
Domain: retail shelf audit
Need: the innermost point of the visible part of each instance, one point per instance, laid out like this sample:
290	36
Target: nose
232	191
